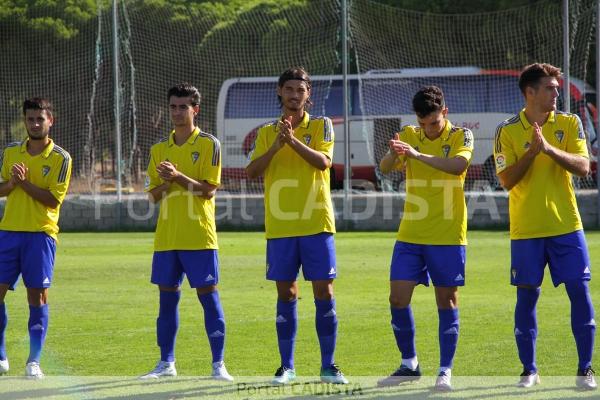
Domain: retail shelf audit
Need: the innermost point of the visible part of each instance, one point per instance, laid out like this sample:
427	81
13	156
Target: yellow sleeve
4	168
61	177
504	154
152	178
325	139
211	163
463	145
260	146
576	139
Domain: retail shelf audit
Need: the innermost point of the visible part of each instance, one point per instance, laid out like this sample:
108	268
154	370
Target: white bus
380	103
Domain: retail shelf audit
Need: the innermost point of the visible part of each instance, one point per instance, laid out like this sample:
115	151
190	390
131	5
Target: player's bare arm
513	174
169	173
157	194
455	165
44	196
389	160
574	163
257	167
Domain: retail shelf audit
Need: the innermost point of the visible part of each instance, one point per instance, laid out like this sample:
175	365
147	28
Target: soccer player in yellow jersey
294	154
432	235
35	178
183	175
536	152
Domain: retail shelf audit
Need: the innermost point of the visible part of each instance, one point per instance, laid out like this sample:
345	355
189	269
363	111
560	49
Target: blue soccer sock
286	323
403	325
38	326
582	321
214	322
526	326
326	323
3	324
167	324
448	336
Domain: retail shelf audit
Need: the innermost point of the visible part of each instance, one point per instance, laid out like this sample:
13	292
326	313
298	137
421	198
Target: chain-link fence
234	59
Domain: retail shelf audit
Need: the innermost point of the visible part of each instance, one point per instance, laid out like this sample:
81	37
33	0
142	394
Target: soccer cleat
529	379
219	372
443	383
283	376
333	375
585	379
401	375
3	366
33	370
163	369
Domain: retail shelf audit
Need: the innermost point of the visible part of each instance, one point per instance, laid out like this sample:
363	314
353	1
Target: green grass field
103	312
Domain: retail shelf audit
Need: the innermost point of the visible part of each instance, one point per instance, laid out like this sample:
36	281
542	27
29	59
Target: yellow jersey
49	170
297	195
435	211
186	221
543	202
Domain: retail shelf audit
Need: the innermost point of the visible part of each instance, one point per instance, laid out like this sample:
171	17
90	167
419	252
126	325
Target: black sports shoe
401	375
585	379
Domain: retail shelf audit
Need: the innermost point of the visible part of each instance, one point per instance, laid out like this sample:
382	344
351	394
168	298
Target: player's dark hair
427	100
37	103
295	73
533	73
184	89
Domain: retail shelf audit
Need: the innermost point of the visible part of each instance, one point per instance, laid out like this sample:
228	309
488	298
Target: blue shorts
566	255
200	266
445	264
316	254
29	254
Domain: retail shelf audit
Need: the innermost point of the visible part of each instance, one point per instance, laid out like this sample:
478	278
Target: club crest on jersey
416	148
195	156
306	139
446	150
559	136
527	144
45	170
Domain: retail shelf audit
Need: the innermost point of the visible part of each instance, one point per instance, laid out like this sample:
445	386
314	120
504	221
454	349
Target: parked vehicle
380	103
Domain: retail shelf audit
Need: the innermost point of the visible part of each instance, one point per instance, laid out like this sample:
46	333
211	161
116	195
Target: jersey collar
45	153
444	136
551	118
190	140
303	122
